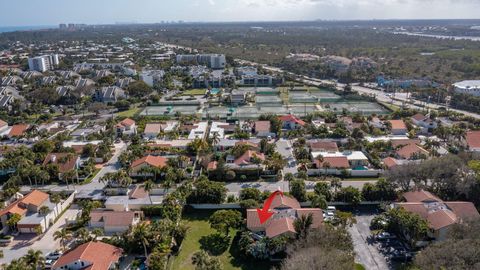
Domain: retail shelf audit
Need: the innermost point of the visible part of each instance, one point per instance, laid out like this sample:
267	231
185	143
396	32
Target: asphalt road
284	147
365	252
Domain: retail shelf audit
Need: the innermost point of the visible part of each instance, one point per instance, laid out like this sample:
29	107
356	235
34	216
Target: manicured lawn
199	232
194	92
129	113
90	178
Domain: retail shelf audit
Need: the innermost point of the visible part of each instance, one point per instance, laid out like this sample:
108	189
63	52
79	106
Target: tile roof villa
286	211
90	256
439	214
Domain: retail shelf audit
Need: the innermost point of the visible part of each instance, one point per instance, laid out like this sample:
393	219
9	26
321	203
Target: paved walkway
24	242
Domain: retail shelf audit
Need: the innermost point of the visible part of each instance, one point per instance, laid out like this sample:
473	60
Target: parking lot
366	251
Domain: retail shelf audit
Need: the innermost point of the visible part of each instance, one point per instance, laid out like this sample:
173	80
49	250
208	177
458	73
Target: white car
331	209
49	264
55	255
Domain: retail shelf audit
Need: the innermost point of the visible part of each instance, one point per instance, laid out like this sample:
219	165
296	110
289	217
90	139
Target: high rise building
43	63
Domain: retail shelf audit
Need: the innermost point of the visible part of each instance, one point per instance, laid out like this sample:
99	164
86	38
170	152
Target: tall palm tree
83	234
63	235
336	183
142	234
303	224
215	138
35	258
43	211
148	186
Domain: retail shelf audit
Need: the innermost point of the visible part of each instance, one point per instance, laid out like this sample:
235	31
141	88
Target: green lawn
90	178
129	113
199	227
194	92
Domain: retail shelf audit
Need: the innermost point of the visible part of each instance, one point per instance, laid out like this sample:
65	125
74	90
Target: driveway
24	242
284	147
366	252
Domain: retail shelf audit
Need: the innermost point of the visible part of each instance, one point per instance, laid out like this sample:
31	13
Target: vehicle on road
55	255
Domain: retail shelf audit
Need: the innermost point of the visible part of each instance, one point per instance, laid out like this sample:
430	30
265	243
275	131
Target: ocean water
4	29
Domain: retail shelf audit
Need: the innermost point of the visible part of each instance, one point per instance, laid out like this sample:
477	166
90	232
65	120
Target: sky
53	12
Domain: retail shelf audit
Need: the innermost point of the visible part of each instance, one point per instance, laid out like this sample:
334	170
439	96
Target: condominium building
214	61
471	87
43	63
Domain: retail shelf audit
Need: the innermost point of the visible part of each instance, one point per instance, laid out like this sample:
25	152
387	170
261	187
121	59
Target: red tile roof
153	128
398	124
18	130
99	255
390	162
292	118
473	139
286	210
113	218
154	161
245	159
419	117
64	163
3	123
279	226
262	126
333	162
409	150
420	196
138	193
36	197
212	165
127	122
464	210
323	146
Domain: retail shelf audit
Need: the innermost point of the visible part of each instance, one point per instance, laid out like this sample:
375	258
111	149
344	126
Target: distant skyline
54	12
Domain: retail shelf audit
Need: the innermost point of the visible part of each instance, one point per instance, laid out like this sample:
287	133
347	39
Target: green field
194	92
129	113
199	230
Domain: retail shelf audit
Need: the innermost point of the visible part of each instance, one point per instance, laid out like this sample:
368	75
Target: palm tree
13	220
336	183
35	258
303	224
215	138
83	234
142	234
43	211
96	233
319	201
63	235
148	186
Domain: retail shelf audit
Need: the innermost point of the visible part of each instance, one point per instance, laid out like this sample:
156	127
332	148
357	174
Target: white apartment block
43	63
471	87
213	61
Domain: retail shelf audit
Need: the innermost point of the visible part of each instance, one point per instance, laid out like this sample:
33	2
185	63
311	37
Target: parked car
55	255
383	236
332	209
49	264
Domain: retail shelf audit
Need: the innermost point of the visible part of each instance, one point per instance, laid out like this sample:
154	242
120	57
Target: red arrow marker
265	214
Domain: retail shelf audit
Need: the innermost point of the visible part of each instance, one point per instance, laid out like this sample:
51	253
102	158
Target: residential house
285	211
139	165
249	160
398	127
18	131
114	222
90	256
66	162
109	94
425	123
126	127
152	130
440	215
28	207
238	97
291	122
262	129
412	151
134	200
473	140
323	146
3	126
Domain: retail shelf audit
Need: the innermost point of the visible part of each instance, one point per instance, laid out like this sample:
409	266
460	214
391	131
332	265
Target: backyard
201	236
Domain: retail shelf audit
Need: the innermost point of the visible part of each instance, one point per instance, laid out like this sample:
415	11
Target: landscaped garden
201	236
